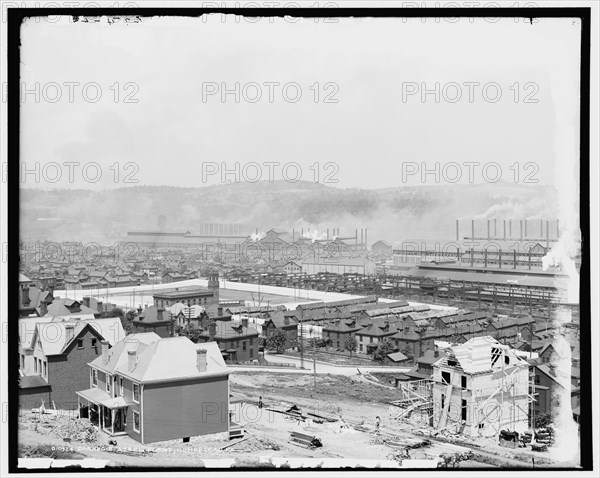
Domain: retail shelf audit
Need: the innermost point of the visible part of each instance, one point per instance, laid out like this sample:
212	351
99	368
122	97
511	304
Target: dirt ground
353	402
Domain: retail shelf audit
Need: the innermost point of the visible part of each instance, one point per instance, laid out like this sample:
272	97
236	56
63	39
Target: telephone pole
301	339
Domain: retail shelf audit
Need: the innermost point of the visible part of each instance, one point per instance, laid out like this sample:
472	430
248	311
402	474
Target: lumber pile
305	441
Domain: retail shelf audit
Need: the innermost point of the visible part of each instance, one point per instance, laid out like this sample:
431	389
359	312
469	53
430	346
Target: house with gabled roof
156	389
53	356
284	321
238	341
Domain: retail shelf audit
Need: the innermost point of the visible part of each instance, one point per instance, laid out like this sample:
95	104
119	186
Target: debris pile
79	430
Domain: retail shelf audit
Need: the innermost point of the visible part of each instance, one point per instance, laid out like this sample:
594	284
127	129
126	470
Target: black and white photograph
299	237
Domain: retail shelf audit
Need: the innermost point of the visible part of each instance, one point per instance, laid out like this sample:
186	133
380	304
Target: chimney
139	309
100	307
131	360
69	331
43	307
212	330
25	296
86	301
552	367
245	322
201	360
436	352
286	320
220	311
159	313
104	344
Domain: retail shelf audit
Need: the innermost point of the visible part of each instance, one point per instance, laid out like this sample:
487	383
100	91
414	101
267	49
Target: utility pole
314	341
301	338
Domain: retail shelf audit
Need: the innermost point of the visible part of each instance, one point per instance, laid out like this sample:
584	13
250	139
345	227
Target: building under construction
478	388
481	387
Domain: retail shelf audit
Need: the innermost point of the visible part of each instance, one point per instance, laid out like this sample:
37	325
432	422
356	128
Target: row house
156	389
53	356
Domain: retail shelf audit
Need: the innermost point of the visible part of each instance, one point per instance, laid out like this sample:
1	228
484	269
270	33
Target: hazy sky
374	131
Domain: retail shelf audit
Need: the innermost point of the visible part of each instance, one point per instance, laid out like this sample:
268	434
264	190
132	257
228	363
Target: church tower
213	286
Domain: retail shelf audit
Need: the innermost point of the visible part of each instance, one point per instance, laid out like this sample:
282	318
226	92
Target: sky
116	105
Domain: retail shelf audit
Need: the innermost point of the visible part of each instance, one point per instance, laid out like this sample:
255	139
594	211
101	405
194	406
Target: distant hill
394	214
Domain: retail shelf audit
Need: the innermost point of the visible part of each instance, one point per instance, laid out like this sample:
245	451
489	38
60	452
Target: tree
190	331
277	341
127	321
384	348
350	344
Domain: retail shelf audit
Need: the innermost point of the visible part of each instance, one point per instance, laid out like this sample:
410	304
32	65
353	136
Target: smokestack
504	227
457	233
557	230
104	345
514	259
510	228
131	360
362	237
521	224
201	362
495	230
541	228
525	224
366	240
472	228
547	234
500	258
69	331
488	229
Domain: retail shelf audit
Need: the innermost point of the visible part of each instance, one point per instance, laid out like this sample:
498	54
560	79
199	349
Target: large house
154	319
190	295
155	389
280	320
53	356
237	341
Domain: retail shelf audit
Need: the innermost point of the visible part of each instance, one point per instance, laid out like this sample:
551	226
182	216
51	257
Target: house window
35	367
251	342
446	377
45	370
537	379
108	380
79	343
136	421
443	400
463	381
136	393
121	388
94	342
94	377
463	410
370	339
361	337
244	345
